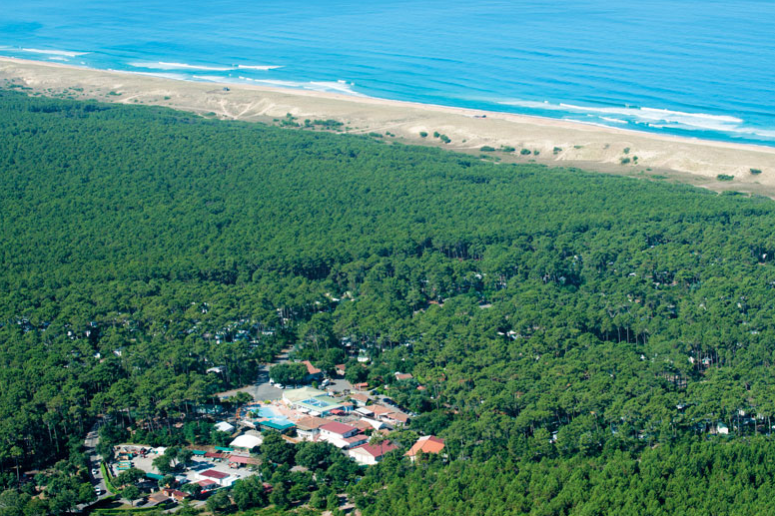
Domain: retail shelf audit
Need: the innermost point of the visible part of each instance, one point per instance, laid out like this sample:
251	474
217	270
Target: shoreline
558	142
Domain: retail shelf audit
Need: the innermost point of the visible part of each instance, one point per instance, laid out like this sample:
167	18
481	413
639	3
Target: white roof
373	422
223	426
246	441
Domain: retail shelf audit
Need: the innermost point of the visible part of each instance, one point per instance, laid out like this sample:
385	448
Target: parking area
262	390
190	472
339	385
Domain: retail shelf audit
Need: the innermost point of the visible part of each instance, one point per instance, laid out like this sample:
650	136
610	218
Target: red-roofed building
308	428
340	369
403	376
334	429
380	411
157	498
355	440
208	485
174	493
427	444
235	461
220	478
397	418
313	373
340	435
369	454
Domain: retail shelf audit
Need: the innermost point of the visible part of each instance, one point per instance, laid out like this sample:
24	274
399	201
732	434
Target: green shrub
423	134
625	161
445	138
108	479
525	152
626	150
756	171
487	148
724	177
507	148
557	150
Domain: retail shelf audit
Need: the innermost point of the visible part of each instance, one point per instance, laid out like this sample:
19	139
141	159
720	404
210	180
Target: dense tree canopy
571	333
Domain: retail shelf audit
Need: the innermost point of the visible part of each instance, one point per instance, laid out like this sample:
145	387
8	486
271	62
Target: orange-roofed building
427	444
313	373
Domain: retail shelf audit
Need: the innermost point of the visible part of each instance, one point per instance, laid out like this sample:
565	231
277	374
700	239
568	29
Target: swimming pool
270	413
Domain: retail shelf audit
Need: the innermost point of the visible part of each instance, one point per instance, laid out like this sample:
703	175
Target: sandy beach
558	142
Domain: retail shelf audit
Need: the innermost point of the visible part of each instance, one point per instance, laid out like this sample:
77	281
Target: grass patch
108	478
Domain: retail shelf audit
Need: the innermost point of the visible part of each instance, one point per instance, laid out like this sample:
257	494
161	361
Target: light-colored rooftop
247	441
297	395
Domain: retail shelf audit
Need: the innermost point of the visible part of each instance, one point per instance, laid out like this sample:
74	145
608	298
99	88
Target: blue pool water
269	413
703	68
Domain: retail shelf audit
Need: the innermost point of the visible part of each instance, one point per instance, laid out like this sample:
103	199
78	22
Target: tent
223	426
246	442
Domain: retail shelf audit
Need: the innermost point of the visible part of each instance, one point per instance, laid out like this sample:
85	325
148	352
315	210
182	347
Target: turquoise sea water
702	68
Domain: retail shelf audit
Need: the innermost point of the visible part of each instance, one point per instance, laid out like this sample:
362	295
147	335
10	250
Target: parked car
97	490
94	472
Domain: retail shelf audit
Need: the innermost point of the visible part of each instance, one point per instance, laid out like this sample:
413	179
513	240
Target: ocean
697	68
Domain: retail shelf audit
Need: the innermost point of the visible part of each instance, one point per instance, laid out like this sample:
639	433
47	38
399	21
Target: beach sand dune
558	142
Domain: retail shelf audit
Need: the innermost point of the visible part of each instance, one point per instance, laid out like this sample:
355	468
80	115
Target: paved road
340	385
93	461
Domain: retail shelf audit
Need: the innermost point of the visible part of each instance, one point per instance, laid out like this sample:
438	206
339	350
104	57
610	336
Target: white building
342	436
247	442
220	478
223	426
370	454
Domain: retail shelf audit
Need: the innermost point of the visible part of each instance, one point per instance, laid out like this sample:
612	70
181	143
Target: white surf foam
614	120
335	87
340	86
161	65
174	76
54	52
211	78
652	117
258	67
57	58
